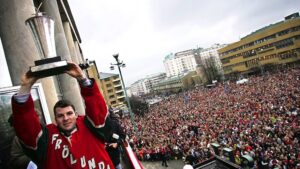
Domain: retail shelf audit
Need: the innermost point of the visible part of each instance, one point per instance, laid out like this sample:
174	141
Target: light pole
120	64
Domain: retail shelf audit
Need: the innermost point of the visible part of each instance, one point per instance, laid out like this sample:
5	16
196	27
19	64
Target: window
287	54
6	131
121	99
227	60
121	94
117	83
227	68
119	88
284	32
249	53
284	43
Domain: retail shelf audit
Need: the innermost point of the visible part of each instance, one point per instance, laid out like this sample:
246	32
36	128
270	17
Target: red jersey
50	148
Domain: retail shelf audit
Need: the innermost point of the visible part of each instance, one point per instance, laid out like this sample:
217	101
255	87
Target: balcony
118	88
120	97
109	88
121	100
116	79
117	85
119	91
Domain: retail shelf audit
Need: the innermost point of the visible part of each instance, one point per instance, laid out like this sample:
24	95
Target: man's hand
75	71
27	81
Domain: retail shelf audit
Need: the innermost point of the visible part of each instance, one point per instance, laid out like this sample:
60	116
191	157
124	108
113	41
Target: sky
143	32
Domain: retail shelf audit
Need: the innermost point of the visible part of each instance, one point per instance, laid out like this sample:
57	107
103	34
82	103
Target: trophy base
49	67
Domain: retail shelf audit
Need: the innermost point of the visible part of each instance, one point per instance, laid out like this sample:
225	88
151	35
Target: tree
138	105
210	70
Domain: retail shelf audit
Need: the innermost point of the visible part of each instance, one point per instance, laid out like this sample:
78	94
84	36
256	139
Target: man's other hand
75	71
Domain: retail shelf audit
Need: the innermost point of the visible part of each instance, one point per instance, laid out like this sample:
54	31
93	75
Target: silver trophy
42	29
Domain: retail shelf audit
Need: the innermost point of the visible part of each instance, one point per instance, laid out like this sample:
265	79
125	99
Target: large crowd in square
259	118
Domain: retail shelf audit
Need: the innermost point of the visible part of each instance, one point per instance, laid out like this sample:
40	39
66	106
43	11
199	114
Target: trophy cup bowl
42	29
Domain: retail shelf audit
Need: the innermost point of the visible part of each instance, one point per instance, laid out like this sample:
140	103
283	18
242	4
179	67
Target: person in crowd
190	158
113	146
74	141
164	156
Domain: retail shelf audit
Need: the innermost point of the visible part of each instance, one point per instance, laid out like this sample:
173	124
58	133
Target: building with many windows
181	82
276	44
145	85
113	92
180	62
139	88
154	79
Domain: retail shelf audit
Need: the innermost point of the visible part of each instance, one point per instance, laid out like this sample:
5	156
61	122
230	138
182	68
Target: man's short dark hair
63	104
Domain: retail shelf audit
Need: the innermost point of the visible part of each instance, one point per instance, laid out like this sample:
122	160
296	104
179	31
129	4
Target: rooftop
107	75
287	18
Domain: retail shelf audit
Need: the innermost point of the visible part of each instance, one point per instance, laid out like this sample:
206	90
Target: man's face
65	118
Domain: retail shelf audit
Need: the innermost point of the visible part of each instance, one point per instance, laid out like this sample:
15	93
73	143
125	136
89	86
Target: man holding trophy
74	141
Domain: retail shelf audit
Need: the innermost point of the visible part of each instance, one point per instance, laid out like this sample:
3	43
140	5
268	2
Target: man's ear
76	114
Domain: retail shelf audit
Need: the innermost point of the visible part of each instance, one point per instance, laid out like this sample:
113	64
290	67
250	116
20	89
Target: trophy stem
42	29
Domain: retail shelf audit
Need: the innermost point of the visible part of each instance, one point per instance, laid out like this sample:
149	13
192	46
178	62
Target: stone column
69	86
78	51
18	45
70	42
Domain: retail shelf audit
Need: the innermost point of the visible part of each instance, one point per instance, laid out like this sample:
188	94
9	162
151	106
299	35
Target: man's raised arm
25	119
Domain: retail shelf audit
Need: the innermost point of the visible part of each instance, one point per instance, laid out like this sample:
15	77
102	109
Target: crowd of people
259	118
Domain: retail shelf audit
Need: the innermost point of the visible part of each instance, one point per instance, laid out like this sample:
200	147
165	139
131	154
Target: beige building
113	91
92	72
268	47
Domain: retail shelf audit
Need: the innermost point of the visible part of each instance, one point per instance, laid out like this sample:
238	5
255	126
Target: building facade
276	44
177	83
180	62
92	72
155	79
146	85
139	88
113	91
